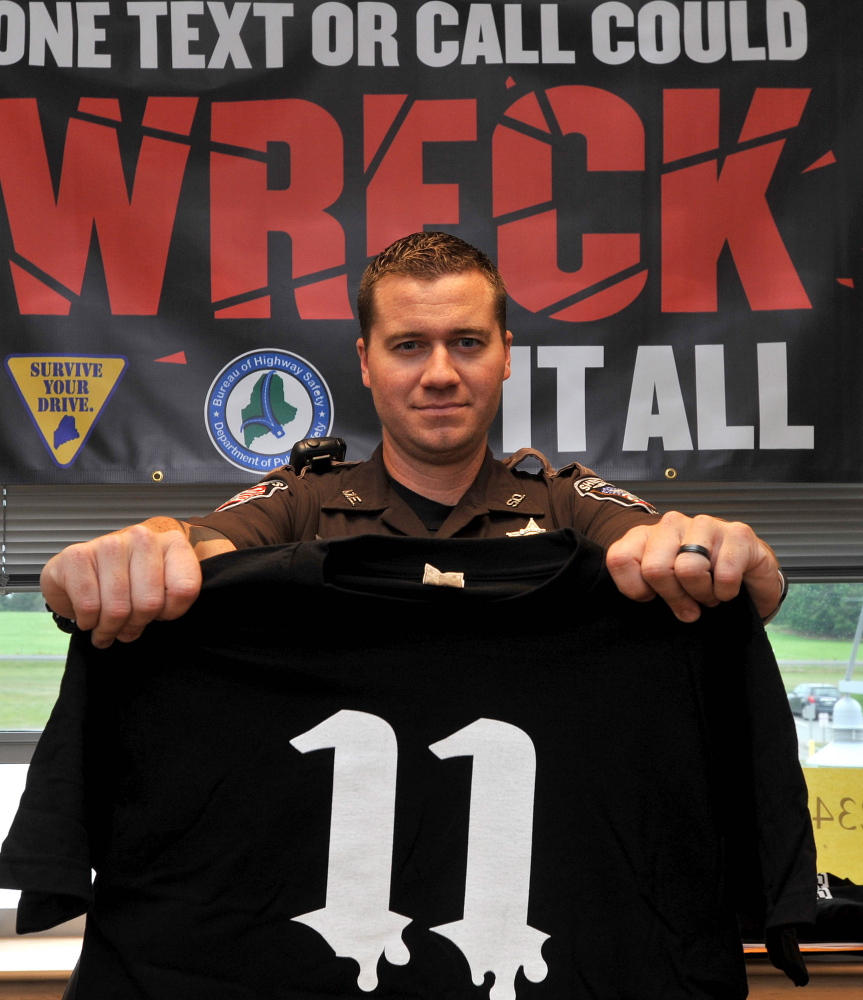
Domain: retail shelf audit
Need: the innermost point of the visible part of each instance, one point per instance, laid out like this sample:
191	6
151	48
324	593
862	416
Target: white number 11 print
494	935
356	922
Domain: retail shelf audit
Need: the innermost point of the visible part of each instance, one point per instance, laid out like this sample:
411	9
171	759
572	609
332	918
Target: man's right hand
116	584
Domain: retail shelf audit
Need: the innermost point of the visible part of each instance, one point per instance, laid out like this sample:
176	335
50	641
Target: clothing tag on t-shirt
433	576
824	886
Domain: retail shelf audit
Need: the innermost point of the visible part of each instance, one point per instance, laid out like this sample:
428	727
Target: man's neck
443	483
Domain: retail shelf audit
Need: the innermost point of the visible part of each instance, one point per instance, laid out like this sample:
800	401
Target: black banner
190	193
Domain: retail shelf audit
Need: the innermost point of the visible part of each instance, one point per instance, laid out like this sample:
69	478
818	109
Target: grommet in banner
671	473
158	476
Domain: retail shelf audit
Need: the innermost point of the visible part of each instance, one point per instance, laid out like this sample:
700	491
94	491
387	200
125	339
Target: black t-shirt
432	514
332	780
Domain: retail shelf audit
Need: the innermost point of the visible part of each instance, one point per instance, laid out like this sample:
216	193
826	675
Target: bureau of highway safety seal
261	403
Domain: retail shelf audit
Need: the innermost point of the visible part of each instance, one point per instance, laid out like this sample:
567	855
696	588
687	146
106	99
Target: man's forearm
205	541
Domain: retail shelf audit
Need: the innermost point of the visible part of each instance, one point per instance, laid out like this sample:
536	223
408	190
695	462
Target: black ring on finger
698	550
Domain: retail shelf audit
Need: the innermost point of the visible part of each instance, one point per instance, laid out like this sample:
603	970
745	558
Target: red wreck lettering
730	204
55	235
397	199
528	247
278	166
244	210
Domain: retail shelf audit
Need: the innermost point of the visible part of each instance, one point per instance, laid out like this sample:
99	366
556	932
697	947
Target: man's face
435	363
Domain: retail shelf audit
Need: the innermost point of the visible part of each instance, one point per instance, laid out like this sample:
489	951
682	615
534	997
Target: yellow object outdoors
836	807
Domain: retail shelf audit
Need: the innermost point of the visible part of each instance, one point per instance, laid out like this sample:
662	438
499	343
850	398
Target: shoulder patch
259	492
599	489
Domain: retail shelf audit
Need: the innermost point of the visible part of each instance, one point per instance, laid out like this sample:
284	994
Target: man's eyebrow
462	331
401	335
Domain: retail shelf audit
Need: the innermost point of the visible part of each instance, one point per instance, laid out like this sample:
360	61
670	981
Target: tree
823	610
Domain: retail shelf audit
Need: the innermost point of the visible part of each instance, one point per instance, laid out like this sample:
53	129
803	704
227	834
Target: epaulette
334	467
512	463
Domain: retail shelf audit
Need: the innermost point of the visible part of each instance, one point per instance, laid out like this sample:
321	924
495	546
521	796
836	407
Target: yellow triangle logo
65	395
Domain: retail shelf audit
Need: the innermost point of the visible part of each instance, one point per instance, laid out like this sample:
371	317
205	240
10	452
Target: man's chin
446	449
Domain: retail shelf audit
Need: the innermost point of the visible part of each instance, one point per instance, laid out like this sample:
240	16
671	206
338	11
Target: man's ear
507	346
364	366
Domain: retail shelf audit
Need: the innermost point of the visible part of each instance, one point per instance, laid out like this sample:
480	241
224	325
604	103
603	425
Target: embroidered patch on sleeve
259	492
599	489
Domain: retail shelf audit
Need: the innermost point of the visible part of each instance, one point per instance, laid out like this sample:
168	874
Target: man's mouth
432	407
442	409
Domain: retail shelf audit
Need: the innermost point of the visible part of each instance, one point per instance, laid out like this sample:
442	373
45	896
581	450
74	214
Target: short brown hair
428	256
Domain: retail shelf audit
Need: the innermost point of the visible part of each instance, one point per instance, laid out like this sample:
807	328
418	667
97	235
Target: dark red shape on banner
527	248
847	282
102	107
55	234
397	199
827	160
528	111
252	309
171	114
700	110
513	190
45	300
379	112
773	110
174	359
243	210
731	208
605	303
323	299
613	130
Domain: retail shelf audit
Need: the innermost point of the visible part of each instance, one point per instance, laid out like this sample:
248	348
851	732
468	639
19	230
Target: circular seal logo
261	403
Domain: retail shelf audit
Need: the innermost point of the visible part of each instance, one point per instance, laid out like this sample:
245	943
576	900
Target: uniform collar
496	489
362	489
366	489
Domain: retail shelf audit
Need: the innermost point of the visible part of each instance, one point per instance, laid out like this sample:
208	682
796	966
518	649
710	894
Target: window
32	651
816	639
813	638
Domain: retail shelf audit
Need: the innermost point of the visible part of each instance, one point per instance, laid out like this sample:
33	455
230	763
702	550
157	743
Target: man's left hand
646	563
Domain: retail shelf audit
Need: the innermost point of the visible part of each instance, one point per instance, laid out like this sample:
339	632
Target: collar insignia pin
351	497
532	528
515	499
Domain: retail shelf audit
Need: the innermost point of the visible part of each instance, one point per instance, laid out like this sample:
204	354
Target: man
434	352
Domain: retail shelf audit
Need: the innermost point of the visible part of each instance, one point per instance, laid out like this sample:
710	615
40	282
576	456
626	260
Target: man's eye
407	345
468	342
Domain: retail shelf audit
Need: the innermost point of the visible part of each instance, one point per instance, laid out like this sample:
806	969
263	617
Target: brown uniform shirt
357	498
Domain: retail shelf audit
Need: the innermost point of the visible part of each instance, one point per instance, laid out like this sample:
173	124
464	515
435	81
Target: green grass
31	633
28	690
800	647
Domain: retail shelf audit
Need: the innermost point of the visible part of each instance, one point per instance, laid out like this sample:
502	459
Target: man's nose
439	371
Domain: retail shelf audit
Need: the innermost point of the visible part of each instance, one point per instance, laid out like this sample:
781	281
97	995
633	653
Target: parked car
807	700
